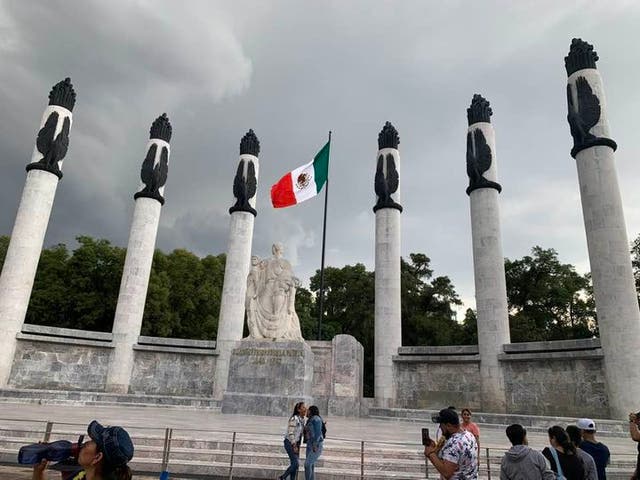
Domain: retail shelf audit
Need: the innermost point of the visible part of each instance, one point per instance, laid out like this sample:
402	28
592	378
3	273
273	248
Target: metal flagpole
324	237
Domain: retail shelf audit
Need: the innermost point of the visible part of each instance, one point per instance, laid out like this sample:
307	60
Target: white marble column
488	260
238	262
27	237
613	283
127	322
387	312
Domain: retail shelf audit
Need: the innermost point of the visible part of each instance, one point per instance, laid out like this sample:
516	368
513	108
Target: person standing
458	458
469	426
521	462
634	431
598	451
562	455
590	470
315	440
292	439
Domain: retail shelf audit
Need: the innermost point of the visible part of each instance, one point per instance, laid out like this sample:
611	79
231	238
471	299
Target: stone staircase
69	397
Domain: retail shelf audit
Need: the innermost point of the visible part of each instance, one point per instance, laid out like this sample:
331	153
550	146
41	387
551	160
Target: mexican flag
302	183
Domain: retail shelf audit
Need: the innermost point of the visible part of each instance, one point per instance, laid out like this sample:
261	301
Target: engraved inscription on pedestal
268	378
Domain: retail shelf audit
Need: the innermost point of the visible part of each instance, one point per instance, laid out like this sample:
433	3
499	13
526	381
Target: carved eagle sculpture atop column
478	162
53	150
245	185
152	174
387	180
479	155
52	147
584	112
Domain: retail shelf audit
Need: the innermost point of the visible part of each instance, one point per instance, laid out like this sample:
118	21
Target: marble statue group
270	298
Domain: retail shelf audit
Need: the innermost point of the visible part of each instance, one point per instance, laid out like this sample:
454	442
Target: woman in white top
292	439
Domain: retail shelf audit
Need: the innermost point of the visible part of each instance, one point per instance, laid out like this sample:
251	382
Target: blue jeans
310	462
292	471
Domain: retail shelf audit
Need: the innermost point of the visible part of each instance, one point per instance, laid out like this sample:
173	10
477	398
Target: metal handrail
490	453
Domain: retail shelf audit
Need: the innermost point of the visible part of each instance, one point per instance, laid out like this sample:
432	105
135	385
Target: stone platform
268	378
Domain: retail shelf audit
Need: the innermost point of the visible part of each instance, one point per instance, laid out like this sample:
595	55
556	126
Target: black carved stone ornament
386	185
63	95
478	162
53	149
244	188
479	111
154	176
249	145
583	115
161	128
388	137
581	55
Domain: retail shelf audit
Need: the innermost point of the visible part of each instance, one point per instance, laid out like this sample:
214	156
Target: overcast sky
292	71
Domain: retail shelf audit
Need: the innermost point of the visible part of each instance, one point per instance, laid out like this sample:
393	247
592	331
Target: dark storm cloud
292	71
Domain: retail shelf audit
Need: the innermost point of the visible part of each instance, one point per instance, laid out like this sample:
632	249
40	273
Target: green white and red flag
302	183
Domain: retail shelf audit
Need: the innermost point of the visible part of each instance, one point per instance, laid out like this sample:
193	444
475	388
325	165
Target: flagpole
324	237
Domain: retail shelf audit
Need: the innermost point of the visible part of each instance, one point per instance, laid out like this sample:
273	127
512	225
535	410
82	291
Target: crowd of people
573	453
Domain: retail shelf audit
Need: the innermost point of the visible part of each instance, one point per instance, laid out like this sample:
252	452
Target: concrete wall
66	359
60	359
436	377
541	378
173	367
556	378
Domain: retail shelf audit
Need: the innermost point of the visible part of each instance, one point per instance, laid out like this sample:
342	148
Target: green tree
548	300
51	296
93	277
307	313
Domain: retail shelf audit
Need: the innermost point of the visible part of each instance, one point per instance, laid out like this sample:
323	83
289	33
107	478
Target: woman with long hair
562	455
470	427
315	440
292	439
104	457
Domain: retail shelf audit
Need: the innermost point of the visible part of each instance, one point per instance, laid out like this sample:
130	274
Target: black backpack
324	429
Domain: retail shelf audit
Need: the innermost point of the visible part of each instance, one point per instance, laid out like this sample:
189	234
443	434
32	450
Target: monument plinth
268	377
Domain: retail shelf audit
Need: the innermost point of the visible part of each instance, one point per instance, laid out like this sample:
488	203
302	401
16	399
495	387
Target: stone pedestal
268	378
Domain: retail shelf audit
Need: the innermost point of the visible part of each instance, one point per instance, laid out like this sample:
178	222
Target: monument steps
68	397
534	423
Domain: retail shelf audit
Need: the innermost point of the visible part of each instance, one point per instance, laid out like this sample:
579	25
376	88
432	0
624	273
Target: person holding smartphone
458	457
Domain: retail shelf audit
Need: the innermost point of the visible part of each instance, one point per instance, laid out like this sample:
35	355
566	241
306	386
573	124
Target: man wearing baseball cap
458	457
589	444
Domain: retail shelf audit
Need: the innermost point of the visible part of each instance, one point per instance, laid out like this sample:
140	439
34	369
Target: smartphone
425	437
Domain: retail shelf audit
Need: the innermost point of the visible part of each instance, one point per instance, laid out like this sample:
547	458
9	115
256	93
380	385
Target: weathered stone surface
268	378
67	332
347	367
436	384
556	345
176	342
166	373
571	385
62	366
322	357
444	350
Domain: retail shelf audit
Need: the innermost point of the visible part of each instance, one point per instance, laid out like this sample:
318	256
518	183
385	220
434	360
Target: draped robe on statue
270	300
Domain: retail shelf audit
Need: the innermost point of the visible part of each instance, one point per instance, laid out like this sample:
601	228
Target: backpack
324	429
